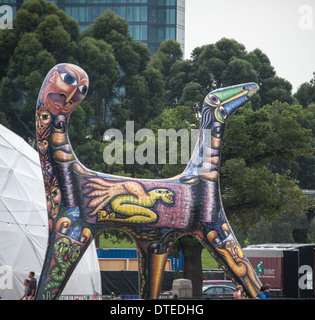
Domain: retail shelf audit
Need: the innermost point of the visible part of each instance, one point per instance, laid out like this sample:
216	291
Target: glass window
115	9
153	18
129	14
139	32
101	9
75	13
131	31
170	33
81	14
95	12
143	33
137	12
161	16
161	34
144	14
122	11
89	15
68	11
170	16
170	2
136	32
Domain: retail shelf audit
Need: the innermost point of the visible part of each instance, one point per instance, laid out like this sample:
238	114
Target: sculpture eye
83	89
67	78
220	114
212	100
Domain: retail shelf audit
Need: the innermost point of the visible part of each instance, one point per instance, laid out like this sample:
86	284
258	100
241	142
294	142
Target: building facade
150	21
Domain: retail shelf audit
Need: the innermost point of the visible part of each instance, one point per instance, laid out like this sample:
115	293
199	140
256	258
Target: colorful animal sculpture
154	213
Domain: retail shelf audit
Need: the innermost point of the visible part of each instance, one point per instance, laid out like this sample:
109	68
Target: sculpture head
218	105
64	87
165	195
221	103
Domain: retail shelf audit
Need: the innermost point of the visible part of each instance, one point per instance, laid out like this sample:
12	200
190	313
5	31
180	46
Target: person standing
267	291
261	293
25	295
32	285
238	294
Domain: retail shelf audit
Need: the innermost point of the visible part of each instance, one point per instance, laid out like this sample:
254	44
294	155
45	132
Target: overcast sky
283	29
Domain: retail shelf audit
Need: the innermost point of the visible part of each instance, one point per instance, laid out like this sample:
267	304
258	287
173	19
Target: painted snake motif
136	208
127	198
65	255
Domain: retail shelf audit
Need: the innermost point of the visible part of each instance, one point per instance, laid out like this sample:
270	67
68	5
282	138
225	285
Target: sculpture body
155	213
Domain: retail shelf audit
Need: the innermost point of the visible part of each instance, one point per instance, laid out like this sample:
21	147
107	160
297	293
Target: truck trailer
287	268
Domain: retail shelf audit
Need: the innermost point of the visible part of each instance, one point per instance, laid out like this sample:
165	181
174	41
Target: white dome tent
24	223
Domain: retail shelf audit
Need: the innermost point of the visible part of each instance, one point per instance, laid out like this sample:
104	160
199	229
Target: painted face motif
61	248
47	168
53	198
66	87
165	195
74	253
43	120
234	249
42	146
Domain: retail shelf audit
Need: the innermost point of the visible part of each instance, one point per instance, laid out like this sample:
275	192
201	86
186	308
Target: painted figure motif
155	213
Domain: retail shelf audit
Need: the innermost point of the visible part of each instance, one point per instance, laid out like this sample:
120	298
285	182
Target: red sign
269	270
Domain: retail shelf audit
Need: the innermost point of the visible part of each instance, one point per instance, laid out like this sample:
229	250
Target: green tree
131	91
272	132
228	63
180	75
238	71
97	58
256	145
306	92
304	168
42	36
175	71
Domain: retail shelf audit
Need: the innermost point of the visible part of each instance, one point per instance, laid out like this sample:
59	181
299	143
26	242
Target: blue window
144	14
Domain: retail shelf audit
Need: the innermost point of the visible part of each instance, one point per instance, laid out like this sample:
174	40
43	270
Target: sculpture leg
151	269
62	256
220	241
